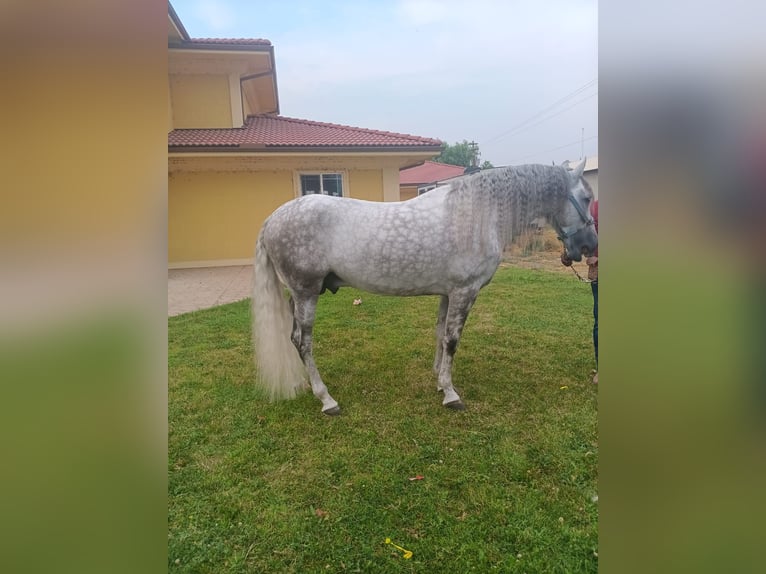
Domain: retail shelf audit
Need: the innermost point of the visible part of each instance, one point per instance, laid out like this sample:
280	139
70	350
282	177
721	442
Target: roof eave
221	47
177	23
274	78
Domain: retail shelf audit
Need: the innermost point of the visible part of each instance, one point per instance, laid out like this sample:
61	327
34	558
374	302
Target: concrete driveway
193	289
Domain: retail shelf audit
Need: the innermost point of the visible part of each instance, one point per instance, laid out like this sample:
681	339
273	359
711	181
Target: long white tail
280	370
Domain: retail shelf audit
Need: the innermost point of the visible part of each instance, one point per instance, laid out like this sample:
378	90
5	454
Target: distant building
414	181
590	173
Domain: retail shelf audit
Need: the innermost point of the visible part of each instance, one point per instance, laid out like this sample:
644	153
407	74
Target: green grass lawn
509	485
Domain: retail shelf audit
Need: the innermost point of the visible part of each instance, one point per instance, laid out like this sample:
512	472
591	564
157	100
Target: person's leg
594	288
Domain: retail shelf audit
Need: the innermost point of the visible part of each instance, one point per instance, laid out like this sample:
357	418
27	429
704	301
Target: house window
323	183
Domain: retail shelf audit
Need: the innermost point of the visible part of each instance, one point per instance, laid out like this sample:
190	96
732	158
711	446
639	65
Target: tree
463	153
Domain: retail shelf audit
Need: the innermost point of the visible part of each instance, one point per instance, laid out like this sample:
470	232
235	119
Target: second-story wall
217	88
201	101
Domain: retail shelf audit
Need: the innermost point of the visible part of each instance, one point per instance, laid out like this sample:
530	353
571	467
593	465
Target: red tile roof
268	132
186	39
429	172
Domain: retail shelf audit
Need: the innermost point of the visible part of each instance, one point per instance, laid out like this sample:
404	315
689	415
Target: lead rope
584	280
580	277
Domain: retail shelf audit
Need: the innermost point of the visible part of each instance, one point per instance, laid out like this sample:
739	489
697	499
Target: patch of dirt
545	260
542	251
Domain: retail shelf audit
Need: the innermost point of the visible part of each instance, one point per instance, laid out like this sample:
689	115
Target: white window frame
343	179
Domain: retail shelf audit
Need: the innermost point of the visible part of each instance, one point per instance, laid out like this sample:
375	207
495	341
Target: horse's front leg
443	307
460	304
304	312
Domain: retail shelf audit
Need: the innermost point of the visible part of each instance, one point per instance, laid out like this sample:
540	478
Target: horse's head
574	222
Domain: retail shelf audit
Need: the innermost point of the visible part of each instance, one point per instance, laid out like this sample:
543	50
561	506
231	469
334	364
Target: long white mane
500	204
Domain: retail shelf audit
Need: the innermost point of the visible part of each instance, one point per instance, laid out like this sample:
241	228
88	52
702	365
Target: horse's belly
402	282
420	272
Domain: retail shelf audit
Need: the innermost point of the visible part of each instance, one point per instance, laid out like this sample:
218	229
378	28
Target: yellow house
233	159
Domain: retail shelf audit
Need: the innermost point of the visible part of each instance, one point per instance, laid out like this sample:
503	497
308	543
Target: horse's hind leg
443	307
304	311
460	304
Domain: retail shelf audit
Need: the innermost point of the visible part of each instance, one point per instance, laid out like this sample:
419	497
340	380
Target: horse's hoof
334	411
457	405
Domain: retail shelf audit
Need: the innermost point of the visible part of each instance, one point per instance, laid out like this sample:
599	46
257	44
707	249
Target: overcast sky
518	77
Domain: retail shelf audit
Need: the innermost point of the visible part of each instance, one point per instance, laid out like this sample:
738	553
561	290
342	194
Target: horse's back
340	218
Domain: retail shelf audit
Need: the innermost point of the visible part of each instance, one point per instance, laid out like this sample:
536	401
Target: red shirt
594	213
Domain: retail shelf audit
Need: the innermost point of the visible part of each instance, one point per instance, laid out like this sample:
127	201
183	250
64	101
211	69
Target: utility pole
474	153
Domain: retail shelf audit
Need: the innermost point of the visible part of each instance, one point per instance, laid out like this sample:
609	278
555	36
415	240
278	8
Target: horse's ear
578	170
565	165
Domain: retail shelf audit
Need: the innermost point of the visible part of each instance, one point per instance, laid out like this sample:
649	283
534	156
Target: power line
545	119
546	109
553	149
526	125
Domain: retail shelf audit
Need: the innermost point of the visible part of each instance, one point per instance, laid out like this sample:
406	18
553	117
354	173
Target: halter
587	221
586	218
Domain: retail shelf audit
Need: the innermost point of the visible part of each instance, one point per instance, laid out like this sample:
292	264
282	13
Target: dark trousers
594	288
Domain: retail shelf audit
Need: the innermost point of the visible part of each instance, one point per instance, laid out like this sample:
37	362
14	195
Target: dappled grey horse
446	242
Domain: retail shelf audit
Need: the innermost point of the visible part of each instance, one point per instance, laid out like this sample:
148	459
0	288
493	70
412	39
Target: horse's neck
527	196
500	205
